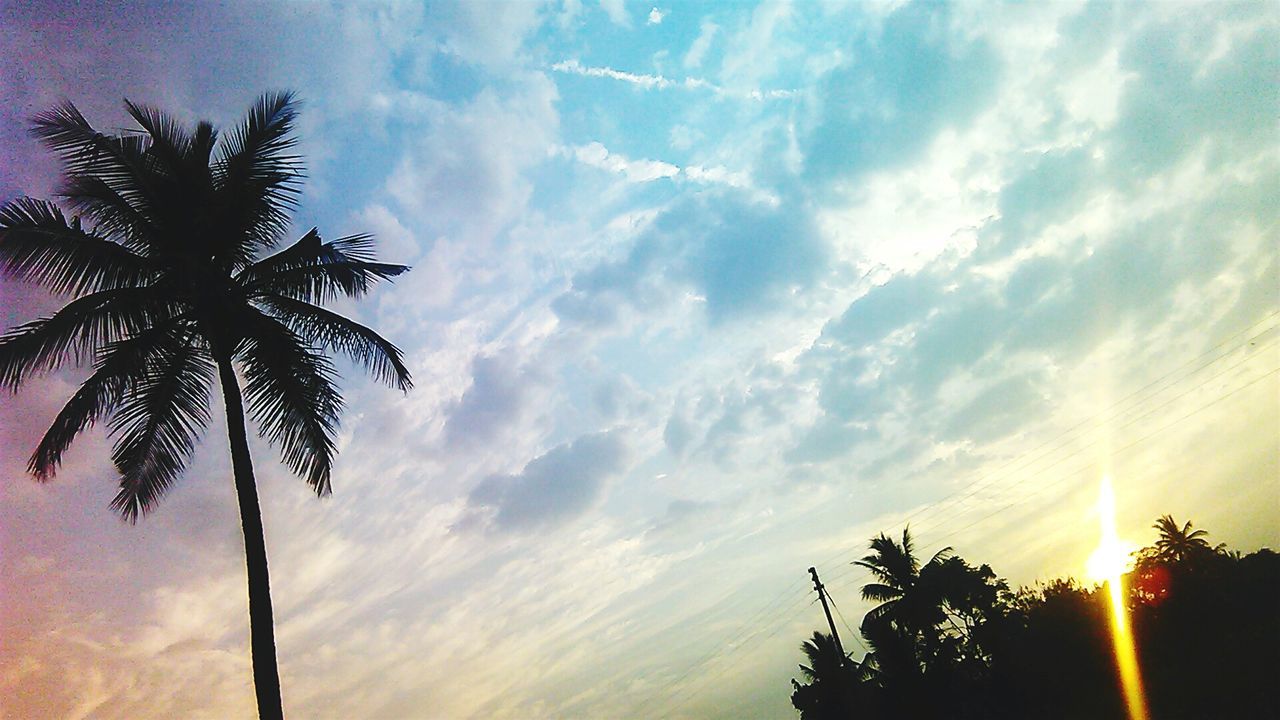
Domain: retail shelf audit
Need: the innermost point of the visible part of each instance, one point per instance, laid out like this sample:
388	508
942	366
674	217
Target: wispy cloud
662	82
617	12
637	171
643	170
698	50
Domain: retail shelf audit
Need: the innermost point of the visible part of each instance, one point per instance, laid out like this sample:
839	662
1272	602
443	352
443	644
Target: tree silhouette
836	684
904	592
172	285
1206	640
1176	544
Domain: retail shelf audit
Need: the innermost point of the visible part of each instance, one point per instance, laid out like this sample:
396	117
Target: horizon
702	296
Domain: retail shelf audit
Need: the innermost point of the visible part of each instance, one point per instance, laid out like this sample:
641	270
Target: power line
728	648
1054	483
987	480
1102	422
856	637
1114	406
1063	478
691	691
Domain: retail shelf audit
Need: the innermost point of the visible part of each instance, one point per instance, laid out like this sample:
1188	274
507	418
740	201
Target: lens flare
1109	563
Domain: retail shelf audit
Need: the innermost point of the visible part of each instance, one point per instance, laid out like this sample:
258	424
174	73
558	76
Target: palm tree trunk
266	677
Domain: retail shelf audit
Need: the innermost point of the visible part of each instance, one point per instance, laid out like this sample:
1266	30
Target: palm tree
902	586
835	687
1176	544
171	284
825	659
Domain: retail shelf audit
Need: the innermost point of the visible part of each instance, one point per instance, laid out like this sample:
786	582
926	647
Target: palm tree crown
171	279
898	585
1176	544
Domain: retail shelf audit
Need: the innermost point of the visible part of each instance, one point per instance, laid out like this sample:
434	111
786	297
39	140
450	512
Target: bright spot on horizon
1113	556
1110	562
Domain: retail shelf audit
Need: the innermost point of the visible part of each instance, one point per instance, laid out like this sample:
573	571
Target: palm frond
326	329
872	563
119	161
290	393
157	426
940	556
77	331
170	141
257	178
121	366
879	613
111	214
315	271
879	592
38	245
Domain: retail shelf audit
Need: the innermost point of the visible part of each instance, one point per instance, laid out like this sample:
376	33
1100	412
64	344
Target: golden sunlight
1109	563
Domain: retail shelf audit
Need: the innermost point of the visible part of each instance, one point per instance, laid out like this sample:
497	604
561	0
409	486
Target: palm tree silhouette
835	686
1176	544
172	285
825	661
903	587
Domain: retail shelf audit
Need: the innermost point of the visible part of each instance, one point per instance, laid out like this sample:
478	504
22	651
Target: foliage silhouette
1176	544
172	285
833	681
1207	636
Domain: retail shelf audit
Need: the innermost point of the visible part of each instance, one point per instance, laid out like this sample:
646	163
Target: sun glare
1108	564
1113	557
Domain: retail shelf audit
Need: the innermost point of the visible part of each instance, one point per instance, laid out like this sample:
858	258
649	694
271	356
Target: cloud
677	435
617	12
463	177
737	255
661	82
573	67
655	17
639	171
698	49
499	396
1230	105
906	86
597	155
552	488
480	36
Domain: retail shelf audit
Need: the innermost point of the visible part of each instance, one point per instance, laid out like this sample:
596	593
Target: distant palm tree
171	287
825	660
1176	544
835	682
902	586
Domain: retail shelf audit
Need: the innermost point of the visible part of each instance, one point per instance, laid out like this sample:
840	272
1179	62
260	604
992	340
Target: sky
702	295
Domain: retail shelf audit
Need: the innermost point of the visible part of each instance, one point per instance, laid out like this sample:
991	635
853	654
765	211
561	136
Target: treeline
950	640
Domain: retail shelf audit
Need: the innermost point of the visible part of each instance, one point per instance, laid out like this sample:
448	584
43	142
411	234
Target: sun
1113	557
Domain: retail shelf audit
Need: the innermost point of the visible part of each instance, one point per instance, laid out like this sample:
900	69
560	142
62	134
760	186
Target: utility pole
822	595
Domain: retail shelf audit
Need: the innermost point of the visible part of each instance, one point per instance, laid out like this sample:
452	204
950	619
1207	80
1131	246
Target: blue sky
702	295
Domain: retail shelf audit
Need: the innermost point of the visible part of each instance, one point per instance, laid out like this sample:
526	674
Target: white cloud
698	50
463	177
661	82
636	171
617	12
655	16
569	13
